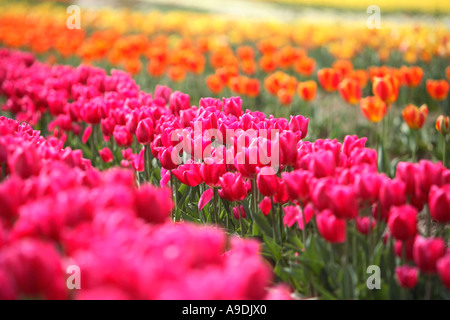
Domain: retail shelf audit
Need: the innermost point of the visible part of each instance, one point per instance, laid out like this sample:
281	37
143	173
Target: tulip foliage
321	209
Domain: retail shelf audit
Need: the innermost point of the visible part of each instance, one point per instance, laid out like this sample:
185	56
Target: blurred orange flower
443	125
373	108
350	90
437	89
329	78
307	90
386	88
412	76
415	117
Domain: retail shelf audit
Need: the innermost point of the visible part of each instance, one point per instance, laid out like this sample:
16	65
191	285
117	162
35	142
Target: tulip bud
402	222
330	227
267	182
439	203
232	187
144	131
442	125
443	268
239	212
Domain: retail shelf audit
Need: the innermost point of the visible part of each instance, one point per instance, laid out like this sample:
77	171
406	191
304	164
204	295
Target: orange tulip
373	108
252	88
415	117
176	73
307	90
361	76
386	88
350	90
133	66
412	76
214	83
443	125
437	89
285	96
329	79
305	66
245	53
268	63
248	66
345	67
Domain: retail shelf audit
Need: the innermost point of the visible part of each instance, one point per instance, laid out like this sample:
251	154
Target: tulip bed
155	193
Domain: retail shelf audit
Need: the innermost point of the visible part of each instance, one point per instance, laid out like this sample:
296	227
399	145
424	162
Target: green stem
273	219
304	228
240	220
202	214
414	145
428	288
216	215
444	152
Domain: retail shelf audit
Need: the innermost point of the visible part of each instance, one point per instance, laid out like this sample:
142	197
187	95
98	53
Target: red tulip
267	182
233	106
106	155
188	174
406	172
288	148
211	170
367	186
439	203
122	136
232	187
86	134
443	268
365	225
426	252
330	227
293	214
297	184
402	222
437	89
344	202
144	131
299	124
265	205
25	161
407	276
392	193
239	212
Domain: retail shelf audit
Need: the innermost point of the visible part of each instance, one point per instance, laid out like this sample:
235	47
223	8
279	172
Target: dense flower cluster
57	210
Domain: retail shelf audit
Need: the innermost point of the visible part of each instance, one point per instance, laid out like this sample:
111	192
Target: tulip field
169	154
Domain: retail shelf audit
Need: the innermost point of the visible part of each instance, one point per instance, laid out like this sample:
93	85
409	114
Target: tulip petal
205	198
165	177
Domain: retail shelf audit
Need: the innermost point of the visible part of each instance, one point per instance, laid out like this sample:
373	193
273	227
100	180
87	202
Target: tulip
329	79
426	252
386	88
307	90
233	106
211	170
344	202
415	117
407	276
106	155
402	222
407	173
179	101
293	214
122	136
265	205
232	187
350	90
285	96
239	212
297	184
166	157
299	124
373	108
439	203
24	162
144	131
163	93
412	76
437	89
288	148
443	125
392	193
267	182
214	83
443	268
305	66
188	174
86	134
365	225
330	227
367	186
